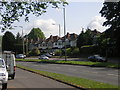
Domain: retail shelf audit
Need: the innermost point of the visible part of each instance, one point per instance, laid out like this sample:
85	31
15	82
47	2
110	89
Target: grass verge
87	63
29	60
75	81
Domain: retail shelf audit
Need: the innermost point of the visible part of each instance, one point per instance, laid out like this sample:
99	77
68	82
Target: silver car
44	57
96	58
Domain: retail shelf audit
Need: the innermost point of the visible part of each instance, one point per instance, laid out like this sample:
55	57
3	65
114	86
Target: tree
84	38
80	40
8	41
18	44
36	34
111	11
18	38
88	37
12	11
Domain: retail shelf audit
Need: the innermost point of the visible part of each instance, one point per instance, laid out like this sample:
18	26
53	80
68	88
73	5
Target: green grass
89	63
29	60
103	64
80	82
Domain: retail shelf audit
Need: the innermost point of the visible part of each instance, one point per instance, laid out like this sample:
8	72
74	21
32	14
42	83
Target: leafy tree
88	37
12	11
18	44
111	11
80	39
36	34
18	38
8	41
84	38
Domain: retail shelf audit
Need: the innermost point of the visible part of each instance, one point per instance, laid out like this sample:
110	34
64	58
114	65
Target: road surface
25	79
101	74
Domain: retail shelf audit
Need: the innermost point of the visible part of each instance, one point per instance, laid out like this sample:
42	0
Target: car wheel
4	86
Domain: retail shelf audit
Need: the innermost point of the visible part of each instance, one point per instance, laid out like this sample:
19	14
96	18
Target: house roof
72	36
53	39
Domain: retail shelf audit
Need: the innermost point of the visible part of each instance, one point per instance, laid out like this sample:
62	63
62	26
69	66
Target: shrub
57	52
34	52
69	50
75	52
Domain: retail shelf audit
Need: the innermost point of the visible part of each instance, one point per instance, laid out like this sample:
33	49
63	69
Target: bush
34	52
68	50
89	49
57	52
75	52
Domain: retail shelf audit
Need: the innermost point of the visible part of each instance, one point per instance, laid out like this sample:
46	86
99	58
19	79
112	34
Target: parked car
20	56
44	57
48	55
3	74
52	53
96	58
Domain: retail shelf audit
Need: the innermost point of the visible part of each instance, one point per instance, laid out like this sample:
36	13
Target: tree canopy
18	43
12	11
8	41
111	11
85	38
36	34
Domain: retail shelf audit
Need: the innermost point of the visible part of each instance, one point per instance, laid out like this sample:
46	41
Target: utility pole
59	35
65	32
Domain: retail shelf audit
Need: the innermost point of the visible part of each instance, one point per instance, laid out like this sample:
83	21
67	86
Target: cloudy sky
78	15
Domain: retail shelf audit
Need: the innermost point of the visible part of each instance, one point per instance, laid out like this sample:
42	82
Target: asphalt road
102	74
25	79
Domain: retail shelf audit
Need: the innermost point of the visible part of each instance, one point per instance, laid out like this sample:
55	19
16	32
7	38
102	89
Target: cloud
97	23
46	26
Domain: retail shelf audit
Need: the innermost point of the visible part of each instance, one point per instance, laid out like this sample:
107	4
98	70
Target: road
25	79
102	74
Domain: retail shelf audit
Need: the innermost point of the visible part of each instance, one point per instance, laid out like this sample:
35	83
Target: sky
79	14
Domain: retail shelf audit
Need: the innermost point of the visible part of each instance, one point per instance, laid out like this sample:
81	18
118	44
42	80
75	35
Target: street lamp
22	36
65	32
59	35
58	27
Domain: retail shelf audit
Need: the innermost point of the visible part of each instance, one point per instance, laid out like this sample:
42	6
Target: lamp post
22	36
65	32
59	35
58	27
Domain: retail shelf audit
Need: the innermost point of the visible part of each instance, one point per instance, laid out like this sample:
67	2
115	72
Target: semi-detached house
56	42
